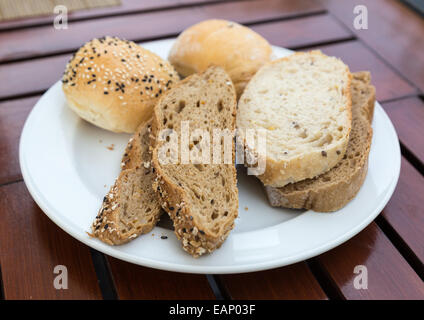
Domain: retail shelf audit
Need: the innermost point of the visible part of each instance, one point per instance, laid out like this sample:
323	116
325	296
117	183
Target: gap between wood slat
324	280
398	98
410	156
324	43
401	246
216	287
11	182
23	95
104	275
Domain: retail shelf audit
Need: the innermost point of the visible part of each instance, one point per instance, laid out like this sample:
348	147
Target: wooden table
32	57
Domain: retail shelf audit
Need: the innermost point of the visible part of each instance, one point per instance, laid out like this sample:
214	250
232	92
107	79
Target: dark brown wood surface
295	282
46	71
405	212
306	31
389	274
135	282
38	41
126	7
392	248
389	85
395	33
32	246
13	114
407	116
31	76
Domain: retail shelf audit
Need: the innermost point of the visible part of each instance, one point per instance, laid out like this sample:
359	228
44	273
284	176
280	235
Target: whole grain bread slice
303	102
335	188
200	198
131	207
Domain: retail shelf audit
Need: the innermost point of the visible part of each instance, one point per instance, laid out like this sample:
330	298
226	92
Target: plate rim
200	269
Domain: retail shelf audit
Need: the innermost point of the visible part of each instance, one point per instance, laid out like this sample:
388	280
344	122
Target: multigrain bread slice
131	207
303	102
335	188
201	199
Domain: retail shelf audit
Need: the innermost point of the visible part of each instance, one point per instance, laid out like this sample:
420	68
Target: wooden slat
388	83
21	9
302	32
395	32
38	41
31	246
12	118
389	275
407	116
294	282
31	76
15	80
135	282
405	211
127	6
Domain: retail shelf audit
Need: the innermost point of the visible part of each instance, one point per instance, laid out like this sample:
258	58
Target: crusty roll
238	49
115	83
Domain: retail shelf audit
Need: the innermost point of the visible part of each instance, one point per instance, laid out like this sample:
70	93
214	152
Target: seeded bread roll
237	49
115	83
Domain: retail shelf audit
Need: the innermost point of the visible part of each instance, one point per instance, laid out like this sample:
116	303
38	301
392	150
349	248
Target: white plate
68	169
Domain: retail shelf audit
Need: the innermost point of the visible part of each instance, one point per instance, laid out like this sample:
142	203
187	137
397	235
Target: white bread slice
304	103
131	207
335	188
201	199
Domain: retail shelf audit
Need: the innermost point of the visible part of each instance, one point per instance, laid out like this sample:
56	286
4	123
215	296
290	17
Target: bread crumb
111	147
246	208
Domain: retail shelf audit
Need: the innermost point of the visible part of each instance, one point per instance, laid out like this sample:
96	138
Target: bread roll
115	83
237	49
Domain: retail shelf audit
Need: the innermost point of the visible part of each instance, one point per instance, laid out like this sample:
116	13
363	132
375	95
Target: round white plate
68	169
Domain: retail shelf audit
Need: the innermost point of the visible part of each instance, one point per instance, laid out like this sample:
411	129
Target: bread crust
284	171
114	83
174	200
237	49
333	195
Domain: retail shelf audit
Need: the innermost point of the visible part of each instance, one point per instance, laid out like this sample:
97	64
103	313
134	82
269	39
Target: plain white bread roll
237	49
304	103
114	84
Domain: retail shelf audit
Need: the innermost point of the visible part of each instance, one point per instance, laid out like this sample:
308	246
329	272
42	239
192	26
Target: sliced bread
304	103
131	207
335	188
201	199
